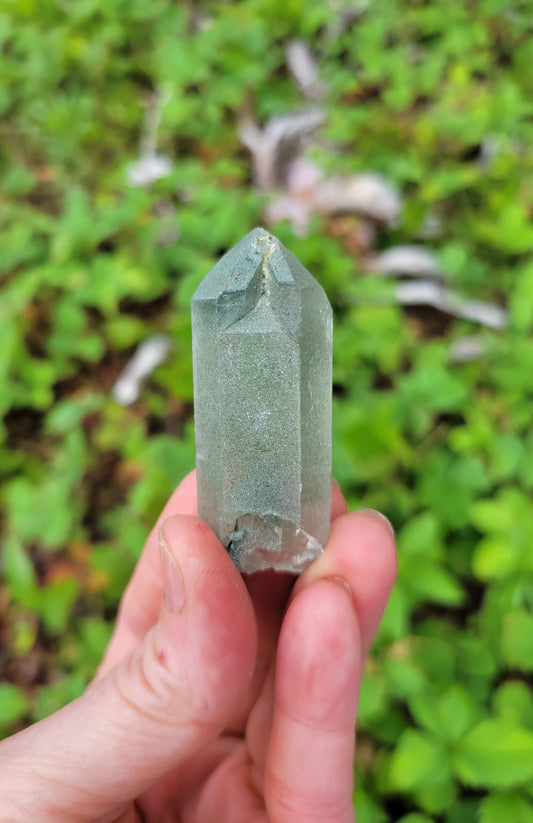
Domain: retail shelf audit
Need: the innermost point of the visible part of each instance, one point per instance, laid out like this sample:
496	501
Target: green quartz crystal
262	333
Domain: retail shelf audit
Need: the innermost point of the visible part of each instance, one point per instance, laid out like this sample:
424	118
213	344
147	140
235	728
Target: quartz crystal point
262	330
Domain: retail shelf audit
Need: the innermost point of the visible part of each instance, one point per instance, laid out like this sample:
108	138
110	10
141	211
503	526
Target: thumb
158	706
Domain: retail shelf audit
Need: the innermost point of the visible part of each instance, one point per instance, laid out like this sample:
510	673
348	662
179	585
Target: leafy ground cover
436	98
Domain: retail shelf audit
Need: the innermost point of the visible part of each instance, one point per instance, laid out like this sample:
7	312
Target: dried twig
368	193
151	165
149	355
429	293
302	66
408	260
277	143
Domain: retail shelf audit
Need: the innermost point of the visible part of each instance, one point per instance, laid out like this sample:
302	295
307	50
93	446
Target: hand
217	702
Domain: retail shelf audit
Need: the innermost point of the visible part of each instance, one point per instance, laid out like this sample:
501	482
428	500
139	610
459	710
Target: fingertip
185	497
378	516
195	545
174	524
365	537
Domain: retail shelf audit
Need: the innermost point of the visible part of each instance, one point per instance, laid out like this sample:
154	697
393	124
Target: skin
220	699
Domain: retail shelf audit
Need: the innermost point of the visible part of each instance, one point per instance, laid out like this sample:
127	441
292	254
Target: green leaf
430	581
449	486
506	806
95	634
494	558
57	601
457	711
18	181
436	658
68	414
111	560
415	818
420	536
19	572
13	704
514	702
372	696
510	231
517	640
419	760
368	811
522	299
438	796
462	811
496	753
506	453
24	633
447	716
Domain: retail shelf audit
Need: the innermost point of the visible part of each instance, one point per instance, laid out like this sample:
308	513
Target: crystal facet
262	329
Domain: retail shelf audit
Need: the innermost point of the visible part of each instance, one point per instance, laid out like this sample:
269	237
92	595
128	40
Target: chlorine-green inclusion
262	330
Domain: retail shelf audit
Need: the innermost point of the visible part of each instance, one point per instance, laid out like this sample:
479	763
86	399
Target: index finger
309	767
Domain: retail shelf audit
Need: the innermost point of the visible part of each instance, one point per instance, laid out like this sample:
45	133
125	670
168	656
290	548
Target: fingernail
335	483
379	516
172	577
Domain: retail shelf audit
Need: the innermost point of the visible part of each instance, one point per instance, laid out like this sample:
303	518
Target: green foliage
13	704
438	98
505	806
495	753
517	640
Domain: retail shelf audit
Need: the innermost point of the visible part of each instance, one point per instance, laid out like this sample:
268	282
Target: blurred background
388	144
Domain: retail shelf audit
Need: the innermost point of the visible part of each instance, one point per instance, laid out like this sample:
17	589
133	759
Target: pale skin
219	699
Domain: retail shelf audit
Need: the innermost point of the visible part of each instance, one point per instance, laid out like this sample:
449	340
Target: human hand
216	701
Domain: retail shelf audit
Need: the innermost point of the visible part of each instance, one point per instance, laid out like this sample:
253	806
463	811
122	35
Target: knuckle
143	683
156	690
